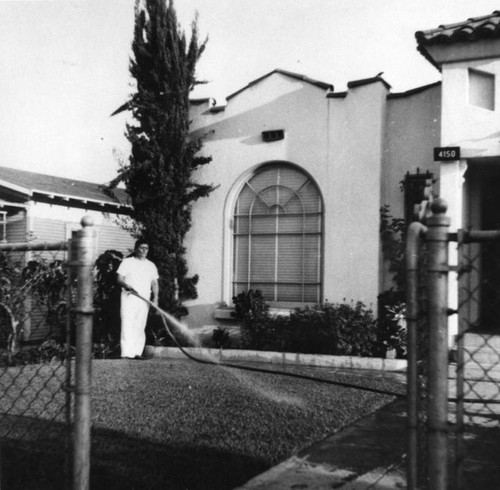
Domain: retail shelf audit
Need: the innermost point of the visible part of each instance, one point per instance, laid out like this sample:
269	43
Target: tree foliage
159	175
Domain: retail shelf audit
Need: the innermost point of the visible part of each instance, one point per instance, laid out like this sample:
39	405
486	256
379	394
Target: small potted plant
221	338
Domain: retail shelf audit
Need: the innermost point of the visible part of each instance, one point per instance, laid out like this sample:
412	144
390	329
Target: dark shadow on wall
281	111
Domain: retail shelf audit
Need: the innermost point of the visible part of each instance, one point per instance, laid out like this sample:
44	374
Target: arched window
277	236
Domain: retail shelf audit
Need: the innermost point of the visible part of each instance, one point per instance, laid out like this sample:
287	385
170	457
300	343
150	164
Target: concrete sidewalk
368	454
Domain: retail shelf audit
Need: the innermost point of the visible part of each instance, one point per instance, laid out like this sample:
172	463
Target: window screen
277	236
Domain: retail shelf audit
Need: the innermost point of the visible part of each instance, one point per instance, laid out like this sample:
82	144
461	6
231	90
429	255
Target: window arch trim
307	237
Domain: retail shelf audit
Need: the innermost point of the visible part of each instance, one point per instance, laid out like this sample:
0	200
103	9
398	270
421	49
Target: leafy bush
49	351
107	322
335	329
391	332
257	329
41	280
393	240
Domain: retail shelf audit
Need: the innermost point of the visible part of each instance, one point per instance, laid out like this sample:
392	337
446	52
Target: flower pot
390	354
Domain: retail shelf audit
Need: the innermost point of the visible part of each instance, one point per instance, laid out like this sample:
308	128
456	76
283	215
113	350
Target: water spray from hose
168	318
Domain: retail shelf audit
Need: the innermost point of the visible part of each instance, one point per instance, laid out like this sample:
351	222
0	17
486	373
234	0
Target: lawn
162	424
173	425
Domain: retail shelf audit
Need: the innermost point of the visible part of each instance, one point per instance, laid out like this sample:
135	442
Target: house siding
112	237
16	227
44	229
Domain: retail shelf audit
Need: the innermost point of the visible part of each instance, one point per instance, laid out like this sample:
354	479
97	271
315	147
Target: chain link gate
453	396
46	297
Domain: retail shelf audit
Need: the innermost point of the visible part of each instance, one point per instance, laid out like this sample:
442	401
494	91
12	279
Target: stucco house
46	208
303	171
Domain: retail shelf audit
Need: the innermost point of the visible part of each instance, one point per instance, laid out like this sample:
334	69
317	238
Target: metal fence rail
46	298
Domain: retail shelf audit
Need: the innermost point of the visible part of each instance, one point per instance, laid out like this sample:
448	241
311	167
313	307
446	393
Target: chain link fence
35	368
475	380
453	395
46	296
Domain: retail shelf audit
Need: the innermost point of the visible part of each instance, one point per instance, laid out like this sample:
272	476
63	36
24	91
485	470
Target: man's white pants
134	314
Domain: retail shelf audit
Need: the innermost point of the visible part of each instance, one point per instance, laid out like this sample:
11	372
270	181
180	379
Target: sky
64	63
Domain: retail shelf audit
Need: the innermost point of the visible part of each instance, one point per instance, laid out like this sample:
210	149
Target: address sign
446	153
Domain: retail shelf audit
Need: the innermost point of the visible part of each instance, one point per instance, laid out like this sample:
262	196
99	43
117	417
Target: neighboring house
468	56
303	171
44	208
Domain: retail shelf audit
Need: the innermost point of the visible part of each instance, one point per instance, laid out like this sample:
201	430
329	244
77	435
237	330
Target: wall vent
273	135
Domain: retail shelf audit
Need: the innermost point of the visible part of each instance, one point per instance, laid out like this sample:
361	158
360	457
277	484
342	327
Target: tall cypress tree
159	173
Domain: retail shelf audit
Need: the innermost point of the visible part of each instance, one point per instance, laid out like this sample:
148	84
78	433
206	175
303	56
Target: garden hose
174	321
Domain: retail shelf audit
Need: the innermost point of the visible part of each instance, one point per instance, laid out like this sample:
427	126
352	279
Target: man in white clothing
136	274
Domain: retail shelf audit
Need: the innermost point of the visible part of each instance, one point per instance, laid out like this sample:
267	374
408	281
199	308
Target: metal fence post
437	238
416	232
82	261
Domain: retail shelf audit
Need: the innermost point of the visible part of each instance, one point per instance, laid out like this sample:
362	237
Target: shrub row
330	328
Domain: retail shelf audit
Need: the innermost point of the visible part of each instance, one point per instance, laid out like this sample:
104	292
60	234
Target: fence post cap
439	206
87	221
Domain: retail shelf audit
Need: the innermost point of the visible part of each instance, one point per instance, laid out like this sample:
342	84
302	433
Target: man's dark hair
140	242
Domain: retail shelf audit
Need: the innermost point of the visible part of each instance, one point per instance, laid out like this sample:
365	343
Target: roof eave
368	81
296	76
423	51
413	91
439	54
15	187
83	200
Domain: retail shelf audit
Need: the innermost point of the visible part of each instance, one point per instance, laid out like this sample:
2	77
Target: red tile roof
35	183
486	26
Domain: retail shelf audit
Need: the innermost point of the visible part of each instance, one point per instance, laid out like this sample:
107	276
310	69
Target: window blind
278	235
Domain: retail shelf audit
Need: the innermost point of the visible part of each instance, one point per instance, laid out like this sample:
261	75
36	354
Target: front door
490	253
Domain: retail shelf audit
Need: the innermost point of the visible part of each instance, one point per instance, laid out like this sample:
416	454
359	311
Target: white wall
413	129
339	142
234	141
352	184
475	129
